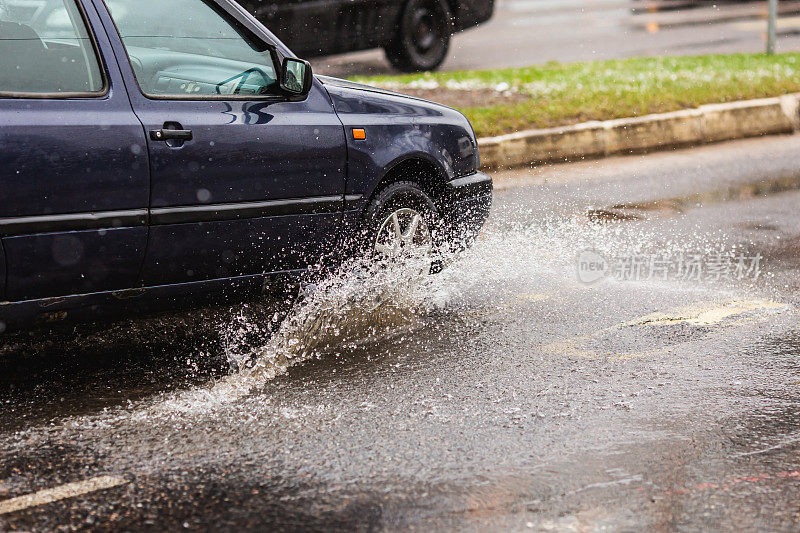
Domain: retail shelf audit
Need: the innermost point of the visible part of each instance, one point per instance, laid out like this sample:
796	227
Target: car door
74	174
251	181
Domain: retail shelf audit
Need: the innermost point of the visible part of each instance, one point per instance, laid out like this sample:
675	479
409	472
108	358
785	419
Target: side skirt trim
269	208
72	222
157	216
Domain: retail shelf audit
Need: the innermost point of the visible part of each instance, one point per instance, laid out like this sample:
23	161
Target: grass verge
557	94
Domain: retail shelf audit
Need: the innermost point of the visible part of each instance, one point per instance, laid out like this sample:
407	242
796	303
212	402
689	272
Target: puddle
72	371
605	216
670	207
375	375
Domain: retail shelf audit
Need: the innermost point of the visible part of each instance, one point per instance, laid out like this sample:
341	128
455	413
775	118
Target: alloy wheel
403	234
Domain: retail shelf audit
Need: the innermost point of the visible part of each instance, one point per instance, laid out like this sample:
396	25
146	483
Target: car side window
45	49
187	48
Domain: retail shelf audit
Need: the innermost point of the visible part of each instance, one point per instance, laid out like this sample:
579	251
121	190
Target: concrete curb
690	127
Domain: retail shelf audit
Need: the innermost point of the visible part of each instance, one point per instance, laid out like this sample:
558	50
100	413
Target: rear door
255	182
74	174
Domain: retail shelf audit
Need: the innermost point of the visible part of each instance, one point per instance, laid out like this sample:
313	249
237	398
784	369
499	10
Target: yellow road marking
63	492
699	315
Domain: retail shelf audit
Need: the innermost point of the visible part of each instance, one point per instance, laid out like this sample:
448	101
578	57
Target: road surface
531	32
504	393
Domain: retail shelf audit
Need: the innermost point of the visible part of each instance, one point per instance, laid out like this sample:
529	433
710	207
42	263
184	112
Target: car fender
399	128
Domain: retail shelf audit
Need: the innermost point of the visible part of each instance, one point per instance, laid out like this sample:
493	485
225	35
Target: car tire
402	211
423	38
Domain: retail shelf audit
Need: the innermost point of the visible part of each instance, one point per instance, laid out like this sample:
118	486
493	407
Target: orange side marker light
359	134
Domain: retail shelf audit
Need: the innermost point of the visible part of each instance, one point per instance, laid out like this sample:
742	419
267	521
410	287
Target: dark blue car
153	151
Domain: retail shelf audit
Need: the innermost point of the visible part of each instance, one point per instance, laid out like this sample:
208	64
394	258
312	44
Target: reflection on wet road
501	393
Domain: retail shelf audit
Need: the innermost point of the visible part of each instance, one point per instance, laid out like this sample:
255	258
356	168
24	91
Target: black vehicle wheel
402	223
423	38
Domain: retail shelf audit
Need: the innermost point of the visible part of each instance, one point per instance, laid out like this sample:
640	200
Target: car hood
347	84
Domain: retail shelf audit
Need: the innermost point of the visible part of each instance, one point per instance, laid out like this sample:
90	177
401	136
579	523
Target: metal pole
772	26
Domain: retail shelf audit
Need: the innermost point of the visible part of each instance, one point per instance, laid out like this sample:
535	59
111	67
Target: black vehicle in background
414	33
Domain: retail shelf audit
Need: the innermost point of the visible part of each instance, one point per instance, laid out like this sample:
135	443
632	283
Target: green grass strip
558	94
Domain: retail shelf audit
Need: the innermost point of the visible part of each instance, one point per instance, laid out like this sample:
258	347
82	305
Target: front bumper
474	185
466	204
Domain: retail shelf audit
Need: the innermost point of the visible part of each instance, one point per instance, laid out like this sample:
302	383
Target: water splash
359	302
363	303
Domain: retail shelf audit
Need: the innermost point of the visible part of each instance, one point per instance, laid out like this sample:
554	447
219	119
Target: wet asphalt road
501	394
532	32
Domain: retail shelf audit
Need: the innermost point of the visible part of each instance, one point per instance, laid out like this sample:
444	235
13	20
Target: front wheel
423	37
403	225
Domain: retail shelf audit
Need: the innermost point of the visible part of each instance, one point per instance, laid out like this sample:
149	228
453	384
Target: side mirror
296	76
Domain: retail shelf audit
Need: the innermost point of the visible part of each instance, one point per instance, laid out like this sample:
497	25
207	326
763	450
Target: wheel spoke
398	233
393	242
411	230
